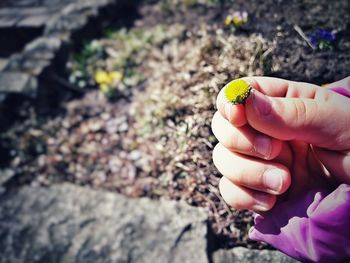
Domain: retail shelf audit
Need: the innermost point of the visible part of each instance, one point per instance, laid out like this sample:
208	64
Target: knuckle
305	112
230	140
238	178
299	112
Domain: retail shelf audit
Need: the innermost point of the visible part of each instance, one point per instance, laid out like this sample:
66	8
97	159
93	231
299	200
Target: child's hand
279	139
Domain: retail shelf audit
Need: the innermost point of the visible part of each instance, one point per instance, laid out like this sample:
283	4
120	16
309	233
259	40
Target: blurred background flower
322	39
237	19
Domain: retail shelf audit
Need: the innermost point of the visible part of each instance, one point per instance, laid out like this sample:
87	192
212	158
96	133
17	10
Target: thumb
322	119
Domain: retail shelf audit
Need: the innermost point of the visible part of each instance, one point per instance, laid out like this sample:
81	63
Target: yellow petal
237	21
228	21
102	77
116	75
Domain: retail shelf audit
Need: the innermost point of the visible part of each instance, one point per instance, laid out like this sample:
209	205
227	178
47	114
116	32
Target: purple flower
322	39
326	35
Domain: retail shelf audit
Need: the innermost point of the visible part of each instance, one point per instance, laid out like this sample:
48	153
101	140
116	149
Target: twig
65	83
303	36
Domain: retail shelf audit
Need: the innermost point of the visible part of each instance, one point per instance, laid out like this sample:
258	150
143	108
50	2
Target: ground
147	132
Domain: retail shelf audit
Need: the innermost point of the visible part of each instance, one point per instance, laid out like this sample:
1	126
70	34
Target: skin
288	138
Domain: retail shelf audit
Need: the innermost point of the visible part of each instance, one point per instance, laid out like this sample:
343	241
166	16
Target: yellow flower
239	18
104	88
237	91
103	77
228	21
237	21
116	75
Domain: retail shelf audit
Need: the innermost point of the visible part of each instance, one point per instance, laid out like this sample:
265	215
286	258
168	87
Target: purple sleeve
341	90
344	89
312	228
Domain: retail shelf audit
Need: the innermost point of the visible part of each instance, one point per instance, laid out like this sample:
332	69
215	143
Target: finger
321	120
245	139
235	114
275	87
243	198
255	174
337	163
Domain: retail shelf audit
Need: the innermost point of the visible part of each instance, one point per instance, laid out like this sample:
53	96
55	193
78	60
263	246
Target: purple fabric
311	228
342	91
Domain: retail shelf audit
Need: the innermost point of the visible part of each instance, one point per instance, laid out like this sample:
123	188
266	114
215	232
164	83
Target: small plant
119	54
237	19
322	39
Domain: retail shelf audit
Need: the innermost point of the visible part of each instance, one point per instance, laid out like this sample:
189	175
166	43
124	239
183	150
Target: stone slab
67	223
245	255
15	82
9	21
34	21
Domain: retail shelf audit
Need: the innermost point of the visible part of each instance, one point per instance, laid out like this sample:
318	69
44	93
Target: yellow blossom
237	91
116	75
103	77
228	21
237	21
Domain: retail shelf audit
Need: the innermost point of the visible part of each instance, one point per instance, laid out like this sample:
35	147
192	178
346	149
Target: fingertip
240	197
235	114
262	201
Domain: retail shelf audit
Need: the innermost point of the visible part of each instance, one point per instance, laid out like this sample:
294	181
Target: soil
155	140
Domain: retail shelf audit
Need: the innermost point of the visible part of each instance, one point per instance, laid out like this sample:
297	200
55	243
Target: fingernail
263	146
262	201
261	102
272	179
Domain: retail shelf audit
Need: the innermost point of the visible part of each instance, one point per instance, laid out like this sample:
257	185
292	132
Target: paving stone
20	83
15	11
245	255
43	47
33	21
9	21
66	223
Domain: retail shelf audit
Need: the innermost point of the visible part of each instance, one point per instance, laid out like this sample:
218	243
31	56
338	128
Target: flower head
116	75
104	77
237	19
322	39
237	91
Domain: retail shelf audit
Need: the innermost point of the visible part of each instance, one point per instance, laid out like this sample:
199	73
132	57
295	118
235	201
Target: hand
294	137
